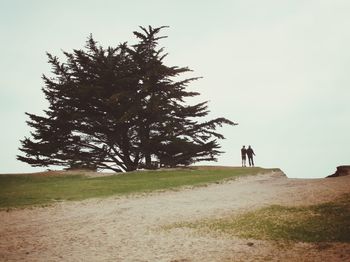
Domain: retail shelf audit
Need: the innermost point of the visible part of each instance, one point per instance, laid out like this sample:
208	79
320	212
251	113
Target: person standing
250	153
244	156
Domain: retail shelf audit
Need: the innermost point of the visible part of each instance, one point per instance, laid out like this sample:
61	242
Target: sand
130	228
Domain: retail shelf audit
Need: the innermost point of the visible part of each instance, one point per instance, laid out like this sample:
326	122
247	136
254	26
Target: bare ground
129	228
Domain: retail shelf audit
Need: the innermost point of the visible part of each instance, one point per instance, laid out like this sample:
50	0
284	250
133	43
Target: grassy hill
21	190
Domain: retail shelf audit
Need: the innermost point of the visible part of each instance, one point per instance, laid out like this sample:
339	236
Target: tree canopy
120	108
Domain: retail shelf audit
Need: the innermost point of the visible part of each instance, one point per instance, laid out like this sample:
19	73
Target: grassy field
27	190
328	222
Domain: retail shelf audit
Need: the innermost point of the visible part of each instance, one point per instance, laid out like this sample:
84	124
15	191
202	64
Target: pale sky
278	68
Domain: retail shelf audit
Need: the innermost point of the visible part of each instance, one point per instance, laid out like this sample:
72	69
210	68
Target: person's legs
250	161
243	162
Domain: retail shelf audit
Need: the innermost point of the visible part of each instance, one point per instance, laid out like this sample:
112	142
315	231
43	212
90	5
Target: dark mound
341	171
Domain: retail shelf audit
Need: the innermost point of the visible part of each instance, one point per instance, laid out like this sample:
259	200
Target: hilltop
152	226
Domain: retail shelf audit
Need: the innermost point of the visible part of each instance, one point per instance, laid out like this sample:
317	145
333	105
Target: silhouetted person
244	155
250	154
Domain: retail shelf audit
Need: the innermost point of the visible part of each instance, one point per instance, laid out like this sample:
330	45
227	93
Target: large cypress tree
120	108
168	126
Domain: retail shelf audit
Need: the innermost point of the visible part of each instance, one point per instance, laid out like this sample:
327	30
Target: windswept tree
120	109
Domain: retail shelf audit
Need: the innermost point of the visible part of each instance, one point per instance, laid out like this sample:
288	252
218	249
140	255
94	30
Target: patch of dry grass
328	222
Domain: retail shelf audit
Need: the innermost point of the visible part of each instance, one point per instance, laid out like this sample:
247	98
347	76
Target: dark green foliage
119	109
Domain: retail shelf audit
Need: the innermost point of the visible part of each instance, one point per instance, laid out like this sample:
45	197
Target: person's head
249	146
243	146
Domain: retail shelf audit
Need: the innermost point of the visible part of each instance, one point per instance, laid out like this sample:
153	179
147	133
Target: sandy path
128	228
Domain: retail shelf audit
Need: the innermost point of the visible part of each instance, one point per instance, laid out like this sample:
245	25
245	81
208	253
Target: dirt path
128	228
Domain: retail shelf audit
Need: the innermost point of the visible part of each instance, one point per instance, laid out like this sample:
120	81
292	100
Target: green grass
328	222
28	190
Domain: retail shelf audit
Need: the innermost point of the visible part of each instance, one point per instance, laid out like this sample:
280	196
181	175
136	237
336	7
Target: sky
277	67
